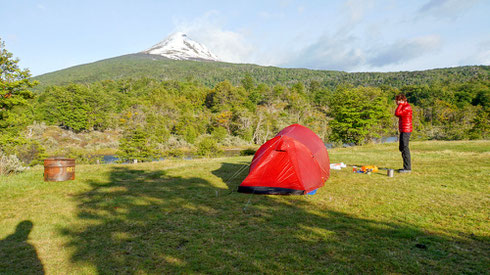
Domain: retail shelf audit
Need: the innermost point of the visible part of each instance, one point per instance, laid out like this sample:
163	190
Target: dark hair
400	97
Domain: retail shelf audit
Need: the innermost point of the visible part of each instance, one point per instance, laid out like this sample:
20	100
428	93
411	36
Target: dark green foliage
15	110
481	124
224	96
359	114
81	156
248	83
482	98
208	147
247	152
219	134
135	146
320	97
174	115
137	66
78	107
15	85
29	152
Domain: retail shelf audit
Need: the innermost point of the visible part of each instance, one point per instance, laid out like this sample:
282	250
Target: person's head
22	231
400	98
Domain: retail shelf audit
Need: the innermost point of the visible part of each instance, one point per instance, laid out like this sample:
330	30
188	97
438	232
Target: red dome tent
294	162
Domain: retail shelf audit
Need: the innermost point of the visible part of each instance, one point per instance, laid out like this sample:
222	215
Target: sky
345	35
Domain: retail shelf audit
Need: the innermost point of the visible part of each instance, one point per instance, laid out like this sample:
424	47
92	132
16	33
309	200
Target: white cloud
446	8
332	53
354	12
228	45
346	53
403	51
480	57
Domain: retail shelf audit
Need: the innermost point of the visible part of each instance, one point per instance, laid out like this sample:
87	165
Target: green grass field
181	216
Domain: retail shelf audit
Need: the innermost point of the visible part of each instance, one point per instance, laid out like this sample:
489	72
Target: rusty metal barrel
59	169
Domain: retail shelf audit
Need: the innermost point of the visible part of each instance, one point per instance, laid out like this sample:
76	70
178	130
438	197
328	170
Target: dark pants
404	139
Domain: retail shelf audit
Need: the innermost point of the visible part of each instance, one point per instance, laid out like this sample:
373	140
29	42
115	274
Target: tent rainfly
294	162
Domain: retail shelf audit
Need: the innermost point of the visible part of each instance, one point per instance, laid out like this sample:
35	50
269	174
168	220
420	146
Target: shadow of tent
152	222
232	174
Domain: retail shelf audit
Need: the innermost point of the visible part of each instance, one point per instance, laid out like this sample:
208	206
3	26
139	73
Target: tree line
209	73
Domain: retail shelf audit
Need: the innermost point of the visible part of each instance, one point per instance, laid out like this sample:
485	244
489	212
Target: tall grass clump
10	164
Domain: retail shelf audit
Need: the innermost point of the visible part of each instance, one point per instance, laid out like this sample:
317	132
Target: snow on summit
180	47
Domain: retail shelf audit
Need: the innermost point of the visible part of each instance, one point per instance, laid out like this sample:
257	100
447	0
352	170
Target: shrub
219	133
81	156
31	153
135	145
190	134
176	153
234	141
247	152
10	164
208	147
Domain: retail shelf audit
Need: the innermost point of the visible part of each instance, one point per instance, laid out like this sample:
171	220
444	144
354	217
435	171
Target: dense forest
138	66
147	116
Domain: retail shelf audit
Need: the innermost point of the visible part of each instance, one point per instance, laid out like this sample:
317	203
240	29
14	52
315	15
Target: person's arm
400	110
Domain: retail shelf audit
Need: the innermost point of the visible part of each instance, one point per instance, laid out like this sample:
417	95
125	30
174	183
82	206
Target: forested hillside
136	66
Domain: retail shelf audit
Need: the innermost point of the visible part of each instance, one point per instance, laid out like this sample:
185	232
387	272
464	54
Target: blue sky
352	35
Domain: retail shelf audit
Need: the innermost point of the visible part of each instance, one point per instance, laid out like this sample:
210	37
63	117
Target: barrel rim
60	158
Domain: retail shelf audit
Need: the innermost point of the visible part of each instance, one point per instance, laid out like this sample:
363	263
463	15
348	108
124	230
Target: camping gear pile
367	169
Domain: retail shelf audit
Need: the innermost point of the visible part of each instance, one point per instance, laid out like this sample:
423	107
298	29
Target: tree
15	110
14	89
135	146
224	96
481	125
248	83
359	114
78	107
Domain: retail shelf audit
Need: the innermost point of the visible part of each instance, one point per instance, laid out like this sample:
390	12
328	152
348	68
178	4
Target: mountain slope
154	66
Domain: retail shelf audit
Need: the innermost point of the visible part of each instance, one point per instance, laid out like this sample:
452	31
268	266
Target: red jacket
404	114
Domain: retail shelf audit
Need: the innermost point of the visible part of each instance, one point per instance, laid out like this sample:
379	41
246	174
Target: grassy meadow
182	216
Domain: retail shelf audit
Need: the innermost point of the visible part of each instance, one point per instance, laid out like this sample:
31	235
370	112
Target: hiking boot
404	171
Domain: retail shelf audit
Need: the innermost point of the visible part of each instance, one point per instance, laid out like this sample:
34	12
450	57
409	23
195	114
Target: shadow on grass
17	255
151	222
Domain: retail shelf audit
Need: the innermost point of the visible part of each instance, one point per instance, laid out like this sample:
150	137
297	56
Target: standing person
404	114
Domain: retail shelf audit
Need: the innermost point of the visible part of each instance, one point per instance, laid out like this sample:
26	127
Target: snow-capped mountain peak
180	47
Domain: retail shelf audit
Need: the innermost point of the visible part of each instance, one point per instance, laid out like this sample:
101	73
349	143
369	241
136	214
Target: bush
208	147
81	156
190	134
28	151
31	153
219	134
10	164
247	152
135	145
176	153
234	141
